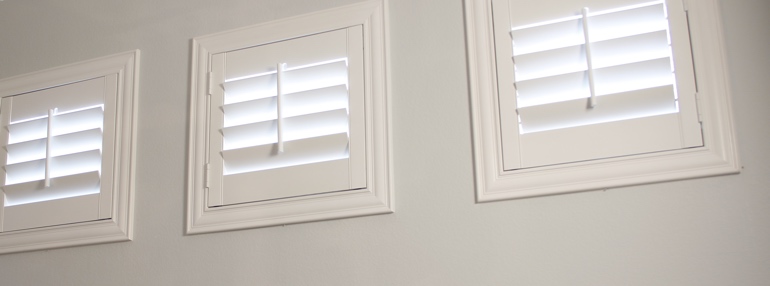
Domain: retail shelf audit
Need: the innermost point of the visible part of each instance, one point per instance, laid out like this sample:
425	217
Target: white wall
713	231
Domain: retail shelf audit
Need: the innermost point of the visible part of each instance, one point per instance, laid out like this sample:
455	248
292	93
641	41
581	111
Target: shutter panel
310	119
55	134
633	81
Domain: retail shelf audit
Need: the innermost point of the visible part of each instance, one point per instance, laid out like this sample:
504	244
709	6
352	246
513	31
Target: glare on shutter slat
298	127
294	104
274	184
623	106
61	187
609	80
298	152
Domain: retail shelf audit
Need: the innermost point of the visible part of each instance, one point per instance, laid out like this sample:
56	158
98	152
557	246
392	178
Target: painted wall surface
711	231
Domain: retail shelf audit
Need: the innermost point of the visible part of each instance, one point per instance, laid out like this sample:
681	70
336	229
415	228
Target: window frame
376	198
118	224
718	156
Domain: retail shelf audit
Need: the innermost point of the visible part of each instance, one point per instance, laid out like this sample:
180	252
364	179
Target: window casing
295	126
539	129
68	154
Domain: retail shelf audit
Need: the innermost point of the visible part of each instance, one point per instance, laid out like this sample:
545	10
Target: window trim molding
120	226
718	156
377	198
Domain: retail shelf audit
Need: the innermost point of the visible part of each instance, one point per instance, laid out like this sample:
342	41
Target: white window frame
376	198
718	156
117	225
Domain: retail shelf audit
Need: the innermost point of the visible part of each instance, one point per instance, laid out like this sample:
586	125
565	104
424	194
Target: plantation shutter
287	119
52	158
619	94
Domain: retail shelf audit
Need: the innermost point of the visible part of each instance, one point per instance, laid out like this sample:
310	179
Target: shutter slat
61	187
294	104
76	163
26	151
547	37
628	105
628	22
614	79
298	152
552	89
550	63
70	122
61	166
634	76
298	127
28	130
316	100
76	142
315	77
251	111
294	80
250	88
24	172
61	145
608	53
626	50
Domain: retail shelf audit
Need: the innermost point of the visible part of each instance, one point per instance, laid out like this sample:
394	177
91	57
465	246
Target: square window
595	94
67	157
290	122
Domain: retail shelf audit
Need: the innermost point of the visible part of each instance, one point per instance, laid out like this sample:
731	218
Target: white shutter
53	154
628	64
278	134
